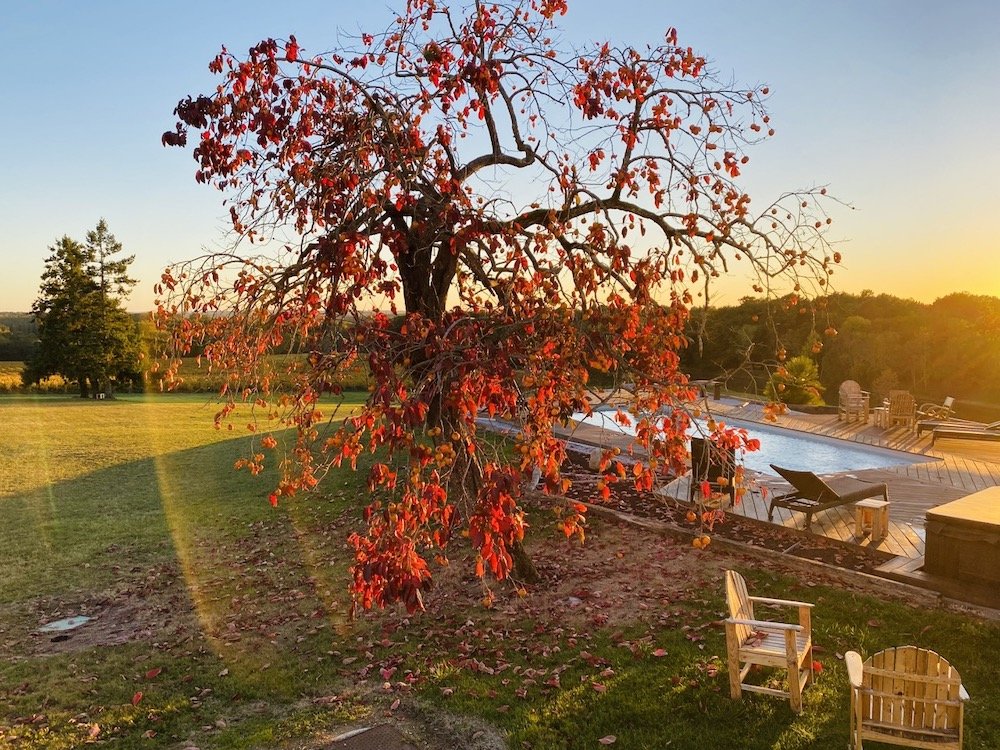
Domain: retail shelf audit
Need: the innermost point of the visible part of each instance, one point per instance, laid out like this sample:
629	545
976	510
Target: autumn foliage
484	219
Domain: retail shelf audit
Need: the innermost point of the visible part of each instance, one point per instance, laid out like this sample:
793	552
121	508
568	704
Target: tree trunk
84	392
524	569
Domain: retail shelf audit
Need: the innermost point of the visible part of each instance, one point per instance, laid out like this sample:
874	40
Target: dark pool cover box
963	539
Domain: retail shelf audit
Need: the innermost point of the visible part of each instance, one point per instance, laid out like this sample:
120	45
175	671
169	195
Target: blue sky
892	103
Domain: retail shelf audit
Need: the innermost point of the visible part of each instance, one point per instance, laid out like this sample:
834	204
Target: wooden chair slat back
910	687
740	606
901	403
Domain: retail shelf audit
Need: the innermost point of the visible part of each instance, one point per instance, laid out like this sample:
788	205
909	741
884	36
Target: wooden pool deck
956	468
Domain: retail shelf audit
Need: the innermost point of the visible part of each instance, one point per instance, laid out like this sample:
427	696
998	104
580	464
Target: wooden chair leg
733	656
855	742
792	661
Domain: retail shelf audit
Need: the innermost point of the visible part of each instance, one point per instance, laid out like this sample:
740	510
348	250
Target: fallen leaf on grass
136	698
599	687
153	673
660	652
609	740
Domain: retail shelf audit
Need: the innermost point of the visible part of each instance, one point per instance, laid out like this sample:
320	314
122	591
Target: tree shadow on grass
184	566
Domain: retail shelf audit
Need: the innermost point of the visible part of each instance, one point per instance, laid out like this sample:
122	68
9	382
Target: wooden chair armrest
764	624
786	602
854	668
963	694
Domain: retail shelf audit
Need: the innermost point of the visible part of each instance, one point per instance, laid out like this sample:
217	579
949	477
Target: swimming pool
790	449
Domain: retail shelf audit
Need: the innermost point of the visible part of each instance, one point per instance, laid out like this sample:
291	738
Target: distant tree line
950	347
18	336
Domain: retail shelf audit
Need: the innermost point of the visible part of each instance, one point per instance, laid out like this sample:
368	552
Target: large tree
84	332
483	218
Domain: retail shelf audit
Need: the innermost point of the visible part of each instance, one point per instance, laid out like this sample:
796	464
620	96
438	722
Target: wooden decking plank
957	468
913	488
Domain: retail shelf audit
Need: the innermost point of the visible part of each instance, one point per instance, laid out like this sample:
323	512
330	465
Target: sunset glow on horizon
890	106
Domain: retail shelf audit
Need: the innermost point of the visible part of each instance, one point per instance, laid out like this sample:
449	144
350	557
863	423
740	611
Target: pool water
789	449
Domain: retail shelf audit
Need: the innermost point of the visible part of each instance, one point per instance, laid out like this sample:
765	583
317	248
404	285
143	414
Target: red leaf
137	697
153	673
817	667
273	498
660	652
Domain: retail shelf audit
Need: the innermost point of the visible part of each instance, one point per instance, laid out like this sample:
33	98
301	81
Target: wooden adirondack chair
853	402
710	463
905	696
902	409
751	641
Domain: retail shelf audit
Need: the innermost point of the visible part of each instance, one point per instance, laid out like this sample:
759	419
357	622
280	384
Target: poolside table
871	516
963	538
880	416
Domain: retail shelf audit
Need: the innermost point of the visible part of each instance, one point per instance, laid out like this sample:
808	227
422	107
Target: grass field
220	622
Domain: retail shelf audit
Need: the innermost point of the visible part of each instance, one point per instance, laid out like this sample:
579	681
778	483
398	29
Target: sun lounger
961	424
813	495
958	432
937	411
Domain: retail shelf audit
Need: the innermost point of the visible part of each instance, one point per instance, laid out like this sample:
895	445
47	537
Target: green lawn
222	622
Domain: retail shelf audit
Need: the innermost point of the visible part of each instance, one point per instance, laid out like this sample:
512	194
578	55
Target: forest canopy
949	347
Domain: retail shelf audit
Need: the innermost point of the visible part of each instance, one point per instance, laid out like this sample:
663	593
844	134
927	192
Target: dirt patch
621	579
151	606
